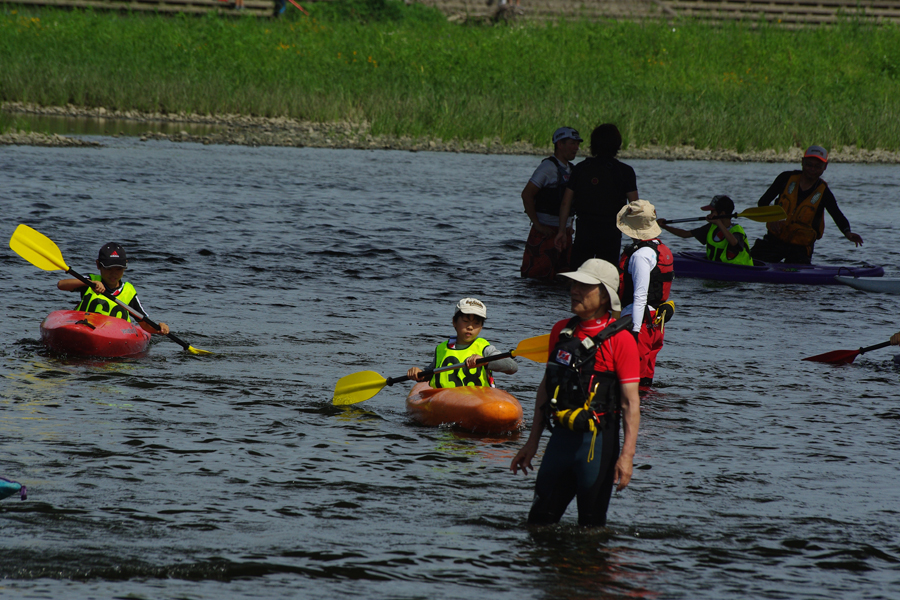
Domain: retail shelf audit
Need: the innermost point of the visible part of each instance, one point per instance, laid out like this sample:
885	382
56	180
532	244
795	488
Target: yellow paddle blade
535	348
357	387
764	214
37	248
193	350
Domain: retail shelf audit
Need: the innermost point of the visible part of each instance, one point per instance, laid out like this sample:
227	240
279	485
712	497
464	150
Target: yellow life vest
717	249
445	355
93	302
801	227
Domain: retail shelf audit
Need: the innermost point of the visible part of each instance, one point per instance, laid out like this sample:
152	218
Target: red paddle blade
835	357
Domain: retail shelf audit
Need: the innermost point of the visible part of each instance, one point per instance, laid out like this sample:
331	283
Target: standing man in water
805	197
542	197
598	188
587	367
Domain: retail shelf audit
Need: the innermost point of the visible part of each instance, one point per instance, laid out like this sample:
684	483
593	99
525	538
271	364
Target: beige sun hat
597	271
471	306
637	220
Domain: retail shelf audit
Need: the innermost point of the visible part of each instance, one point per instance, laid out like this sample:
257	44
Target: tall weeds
408	72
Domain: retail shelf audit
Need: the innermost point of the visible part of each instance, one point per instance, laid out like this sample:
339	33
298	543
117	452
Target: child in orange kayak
466	347
112	263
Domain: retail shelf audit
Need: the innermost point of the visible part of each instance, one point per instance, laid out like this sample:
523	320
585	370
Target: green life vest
445	355
93	302
717	249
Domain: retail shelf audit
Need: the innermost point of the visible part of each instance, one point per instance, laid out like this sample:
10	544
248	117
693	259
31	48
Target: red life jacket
660	277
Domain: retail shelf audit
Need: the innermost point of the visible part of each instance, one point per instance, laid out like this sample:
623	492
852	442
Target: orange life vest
801	227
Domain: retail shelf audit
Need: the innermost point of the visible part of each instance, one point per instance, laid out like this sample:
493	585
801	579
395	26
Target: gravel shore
260	131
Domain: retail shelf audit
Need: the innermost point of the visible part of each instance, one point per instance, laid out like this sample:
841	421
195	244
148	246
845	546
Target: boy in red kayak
112	263
466	347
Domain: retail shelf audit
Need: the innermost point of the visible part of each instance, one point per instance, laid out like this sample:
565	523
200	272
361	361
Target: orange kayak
476	409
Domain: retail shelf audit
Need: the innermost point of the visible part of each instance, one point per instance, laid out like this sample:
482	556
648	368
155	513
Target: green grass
407	71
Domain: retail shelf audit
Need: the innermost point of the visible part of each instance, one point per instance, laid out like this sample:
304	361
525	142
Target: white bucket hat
637	220
471	306
597	271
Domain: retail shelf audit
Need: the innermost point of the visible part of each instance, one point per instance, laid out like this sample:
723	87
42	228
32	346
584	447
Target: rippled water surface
233	476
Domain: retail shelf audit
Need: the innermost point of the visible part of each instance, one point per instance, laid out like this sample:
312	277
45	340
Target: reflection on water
233	476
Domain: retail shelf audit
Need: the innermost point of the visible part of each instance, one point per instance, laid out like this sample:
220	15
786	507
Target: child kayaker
725	242
466	347
112	262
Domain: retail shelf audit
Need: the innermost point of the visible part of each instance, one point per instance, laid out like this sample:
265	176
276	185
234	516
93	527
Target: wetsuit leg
593	501
771	249
768	249
798	255
556	483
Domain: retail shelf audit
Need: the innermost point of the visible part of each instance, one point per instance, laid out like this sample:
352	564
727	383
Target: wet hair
606	141
459	313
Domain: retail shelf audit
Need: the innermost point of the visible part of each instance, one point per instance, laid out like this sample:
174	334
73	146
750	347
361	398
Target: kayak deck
475	409
884	285
92	334
695	265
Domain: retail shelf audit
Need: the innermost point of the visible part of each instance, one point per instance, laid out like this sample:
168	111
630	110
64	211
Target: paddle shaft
875	347
607	332
137	315
734	216
429	373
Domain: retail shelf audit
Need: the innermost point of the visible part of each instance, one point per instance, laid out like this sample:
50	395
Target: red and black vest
660	277
580	397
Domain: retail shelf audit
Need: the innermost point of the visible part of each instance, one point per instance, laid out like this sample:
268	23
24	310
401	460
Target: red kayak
92	334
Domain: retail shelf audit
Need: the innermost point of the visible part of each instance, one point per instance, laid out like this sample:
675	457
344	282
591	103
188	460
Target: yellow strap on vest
568	417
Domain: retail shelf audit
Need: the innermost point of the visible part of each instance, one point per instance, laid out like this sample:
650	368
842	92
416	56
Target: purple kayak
694	265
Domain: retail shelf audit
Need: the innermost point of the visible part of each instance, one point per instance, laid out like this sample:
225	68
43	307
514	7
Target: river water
233	476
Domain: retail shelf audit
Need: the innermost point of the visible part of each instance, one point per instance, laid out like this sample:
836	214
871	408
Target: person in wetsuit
805	197
583	459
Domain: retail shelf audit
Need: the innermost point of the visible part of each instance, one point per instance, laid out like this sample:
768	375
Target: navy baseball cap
566	133
112	255
722	204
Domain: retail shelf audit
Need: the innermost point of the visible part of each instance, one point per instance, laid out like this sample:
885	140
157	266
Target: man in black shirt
597	190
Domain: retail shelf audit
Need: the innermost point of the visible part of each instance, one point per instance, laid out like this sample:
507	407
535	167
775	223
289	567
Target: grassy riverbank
410	73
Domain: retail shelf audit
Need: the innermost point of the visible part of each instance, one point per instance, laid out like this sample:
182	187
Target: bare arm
729	237
682	233
631	196
631	421
163	328
526	453
564	209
